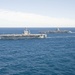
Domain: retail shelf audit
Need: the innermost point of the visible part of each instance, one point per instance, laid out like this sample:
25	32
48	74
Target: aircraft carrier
56	31
25	34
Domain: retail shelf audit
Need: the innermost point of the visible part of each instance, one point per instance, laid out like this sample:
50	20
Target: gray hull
22	36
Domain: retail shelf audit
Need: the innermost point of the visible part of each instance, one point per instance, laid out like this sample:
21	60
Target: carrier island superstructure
25	34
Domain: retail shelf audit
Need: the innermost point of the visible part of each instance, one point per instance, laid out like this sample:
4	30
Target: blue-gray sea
54	55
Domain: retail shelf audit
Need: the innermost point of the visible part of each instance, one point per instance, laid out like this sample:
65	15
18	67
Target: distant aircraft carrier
56	31
25	34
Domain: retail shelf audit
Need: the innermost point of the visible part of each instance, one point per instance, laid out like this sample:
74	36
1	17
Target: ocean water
54	55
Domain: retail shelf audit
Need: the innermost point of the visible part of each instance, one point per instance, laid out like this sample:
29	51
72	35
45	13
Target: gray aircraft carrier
25	34
56	31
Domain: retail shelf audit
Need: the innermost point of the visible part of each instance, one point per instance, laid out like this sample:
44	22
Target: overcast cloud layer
22	19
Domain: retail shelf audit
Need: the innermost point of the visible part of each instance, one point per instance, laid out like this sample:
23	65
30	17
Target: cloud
21	19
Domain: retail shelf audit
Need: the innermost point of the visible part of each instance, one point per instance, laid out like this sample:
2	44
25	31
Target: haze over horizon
37	13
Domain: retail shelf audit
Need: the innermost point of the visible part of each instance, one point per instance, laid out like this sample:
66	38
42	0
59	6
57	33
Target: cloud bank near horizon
21	19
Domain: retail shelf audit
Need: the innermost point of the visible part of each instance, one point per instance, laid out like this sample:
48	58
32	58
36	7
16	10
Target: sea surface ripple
50	56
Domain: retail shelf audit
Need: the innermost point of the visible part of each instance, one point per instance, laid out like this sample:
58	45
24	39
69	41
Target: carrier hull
22	36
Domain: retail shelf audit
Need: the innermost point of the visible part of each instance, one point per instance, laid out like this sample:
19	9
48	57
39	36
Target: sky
37	13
